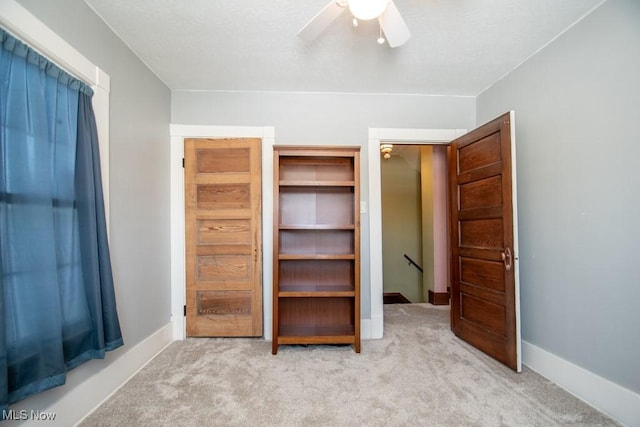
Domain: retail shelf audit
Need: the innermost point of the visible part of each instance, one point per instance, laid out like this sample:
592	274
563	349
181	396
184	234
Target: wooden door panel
479	311
481	153
223	237
224	268
223	303
222	160
481	233
482	273
483	283
223	231
224	196
481	193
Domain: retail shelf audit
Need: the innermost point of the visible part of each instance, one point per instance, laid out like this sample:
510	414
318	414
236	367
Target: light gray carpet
418	374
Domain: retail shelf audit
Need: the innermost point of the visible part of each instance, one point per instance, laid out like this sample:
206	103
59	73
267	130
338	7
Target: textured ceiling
458	47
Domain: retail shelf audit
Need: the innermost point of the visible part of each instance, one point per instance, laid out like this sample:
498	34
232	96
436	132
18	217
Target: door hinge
185	311
183	162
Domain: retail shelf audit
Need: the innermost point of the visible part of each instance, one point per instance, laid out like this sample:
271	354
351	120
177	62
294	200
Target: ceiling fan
391	22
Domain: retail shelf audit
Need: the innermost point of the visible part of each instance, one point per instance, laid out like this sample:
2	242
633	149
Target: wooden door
484	281
223	237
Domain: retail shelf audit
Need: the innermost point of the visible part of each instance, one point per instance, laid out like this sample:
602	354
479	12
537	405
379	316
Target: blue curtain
57	303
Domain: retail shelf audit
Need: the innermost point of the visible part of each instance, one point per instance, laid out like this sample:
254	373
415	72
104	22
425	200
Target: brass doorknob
506	258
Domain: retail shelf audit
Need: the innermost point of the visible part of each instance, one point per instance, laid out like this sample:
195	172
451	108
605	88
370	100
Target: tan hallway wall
402	223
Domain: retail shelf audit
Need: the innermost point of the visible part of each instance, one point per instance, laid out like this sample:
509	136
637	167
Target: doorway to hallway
414	223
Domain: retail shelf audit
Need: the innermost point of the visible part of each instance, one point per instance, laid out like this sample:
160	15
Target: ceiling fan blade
394	27
321	21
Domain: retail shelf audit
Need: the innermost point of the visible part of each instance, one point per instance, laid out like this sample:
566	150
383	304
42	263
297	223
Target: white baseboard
97	389
267	328
372	329
90	384
365	329
612	399
178	327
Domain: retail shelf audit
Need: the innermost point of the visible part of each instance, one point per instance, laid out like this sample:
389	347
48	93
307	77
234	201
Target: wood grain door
484	281
223	237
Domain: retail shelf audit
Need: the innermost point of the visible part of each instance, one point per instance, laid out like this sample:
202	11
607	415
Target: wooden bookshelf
316	272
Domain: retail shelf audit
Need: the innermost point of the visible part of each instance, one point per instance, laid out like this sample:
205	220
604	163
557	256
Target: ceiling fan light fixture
365	10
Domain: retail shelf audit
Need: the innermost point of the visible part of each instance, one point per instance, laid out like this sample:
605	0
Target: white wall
325	119
577	105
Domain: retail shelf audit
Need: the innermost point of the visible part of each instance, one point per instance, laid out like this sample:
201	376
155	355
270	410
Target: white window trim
22	24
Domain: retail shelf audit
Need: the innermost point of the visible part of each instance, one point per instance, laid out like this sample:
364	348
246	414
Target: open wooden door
223	251
484	252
